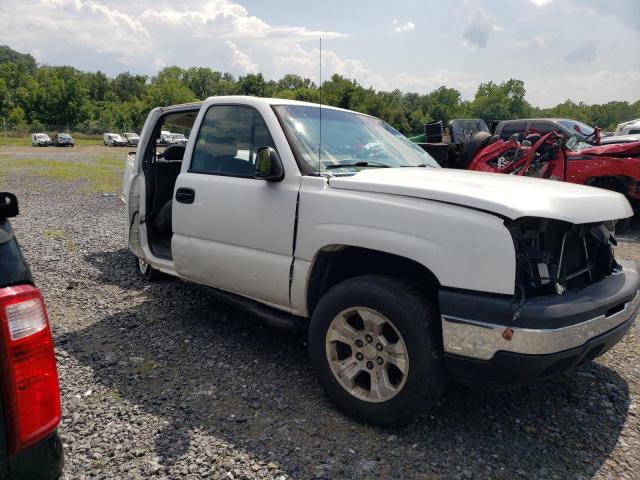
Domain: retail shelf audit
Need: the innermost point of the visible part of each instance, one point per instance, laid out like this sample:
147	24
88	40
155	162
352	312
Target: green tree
127	86
252	84
16	120
169	92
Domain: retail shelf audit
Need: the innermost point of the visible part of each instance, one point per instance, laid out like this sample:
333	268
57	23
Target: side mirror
268	165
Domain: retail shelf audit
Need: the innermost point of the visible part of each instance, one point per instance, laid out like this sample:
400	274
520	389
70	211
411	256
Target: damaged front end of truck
572	302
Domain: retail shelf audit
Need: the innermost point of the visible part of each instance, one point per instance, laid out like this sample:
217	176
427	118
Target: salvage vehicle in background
631	129
569	128
449	151
40	140
63	140
131	138
620	139
622	128
30	447
113	140
403	274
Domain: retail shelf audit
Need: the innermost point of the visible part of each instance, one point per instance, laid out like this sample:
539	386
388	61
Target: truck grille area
554	256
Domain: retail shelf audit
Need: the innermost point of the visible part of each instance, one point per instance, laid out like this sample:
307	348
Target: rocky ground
160	381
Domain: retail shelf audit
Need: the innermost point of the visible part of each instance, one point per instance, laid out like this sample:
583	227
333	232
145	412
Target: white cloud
600	86
537	41
627	11
87	25
402	27
146	35
478	28
541	3
241	60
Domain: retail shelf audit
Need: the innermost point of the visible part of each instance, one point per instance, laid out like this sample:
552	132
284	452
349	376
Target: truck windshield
578	127
349	141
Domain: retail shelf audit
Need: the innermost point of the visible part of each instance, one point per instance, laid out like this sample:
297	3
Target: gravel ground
160	381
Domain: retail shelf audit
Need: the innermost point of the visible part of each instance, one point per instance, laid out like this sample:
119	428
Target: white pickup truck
404	274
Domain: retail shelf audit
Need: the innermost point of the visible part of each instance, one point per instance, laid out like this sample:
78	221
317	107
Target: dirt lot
160	381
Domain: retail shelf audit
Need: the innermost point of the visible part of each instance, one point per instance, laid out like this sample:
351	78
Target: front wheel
373	341
146	271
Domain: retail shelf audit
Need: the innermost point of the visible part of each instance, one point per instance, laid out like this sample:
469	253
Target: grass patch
52	233
113	162
55	234
102	177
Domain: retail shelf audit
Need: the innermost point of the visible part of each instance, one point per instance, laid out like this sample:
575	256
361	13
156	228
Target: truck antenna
320	136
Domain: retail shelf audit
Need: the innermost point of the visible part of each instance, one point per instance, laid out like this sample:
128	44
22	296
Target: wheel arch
616	183
333	264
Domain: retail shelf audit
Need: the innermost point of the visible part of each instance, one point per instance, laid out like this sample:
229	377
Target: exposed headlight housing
553	256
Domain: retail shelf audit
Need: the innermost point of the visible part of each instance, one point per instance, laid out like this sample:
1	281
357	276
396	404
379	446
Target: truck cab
403	274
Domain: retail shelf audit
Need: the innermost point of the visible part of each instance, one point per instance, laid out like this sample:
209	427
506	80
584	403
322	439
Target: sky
585	50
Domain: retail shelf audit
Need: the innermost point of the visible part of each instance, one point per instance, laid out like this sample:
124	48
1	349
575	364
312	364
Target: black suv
566	127
29	394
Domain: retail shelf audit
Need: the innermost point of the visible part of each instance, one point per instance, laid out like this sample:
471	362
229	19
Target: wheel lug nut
369	338
359	343
359	356
379	347
379	360
369	365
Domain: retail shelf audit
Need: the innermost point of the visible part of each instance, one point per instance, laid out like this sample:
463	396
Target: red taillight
29	377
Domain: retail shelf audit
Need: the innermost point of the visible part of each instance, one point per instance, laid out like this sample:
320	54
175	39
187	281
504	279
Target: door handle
185	195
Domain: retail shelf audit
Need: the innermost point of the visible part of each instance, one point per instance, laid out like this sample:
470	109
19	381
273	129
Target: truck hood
506	195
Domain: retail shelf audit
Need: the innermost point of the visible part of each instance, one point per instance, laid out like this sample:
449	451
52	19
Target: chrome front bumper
482	341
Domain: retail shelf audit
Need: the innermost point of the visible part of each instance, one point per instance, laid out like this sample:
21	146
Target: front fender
464	248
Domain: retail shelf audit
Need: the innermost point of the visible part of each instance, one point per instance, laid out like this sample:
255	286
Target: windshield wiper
357	164
415	166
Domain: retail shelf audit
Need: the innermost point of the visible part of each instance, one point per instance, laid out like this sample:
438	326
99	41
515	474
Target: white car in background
40	140
113	140
178	139
628	128
131	138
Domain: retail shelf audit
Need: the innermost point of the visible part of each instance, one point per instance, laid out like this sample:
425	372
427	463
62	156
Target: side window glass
511	128
228	141
542	127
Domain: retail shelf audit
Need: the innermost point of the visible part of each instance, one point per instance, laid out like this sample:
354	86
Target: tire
146	271
615	185
408	325
478	142
622	225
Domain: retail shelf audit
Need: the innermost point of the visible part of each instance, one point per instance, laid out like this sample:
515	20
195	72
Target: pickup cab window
512	127
228	141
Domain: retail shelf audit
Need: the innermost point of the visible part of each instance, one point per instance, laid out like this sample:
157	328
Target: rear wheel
374	344
146	271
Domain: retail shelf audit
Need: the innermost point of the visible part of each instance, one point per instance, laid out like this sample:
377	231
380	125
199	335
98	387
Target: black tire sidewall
413	316
150	274
477	143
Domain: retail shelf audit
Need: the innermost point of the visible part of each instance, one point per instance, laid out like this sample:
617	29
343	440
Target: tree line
33	96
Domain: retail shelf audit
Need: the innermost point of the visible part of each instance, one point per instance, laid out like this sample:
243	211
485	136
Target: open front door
232	230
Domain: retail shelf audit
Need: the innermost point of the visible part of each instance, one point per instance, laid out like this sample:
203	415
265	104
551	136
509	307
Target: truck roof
247	99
